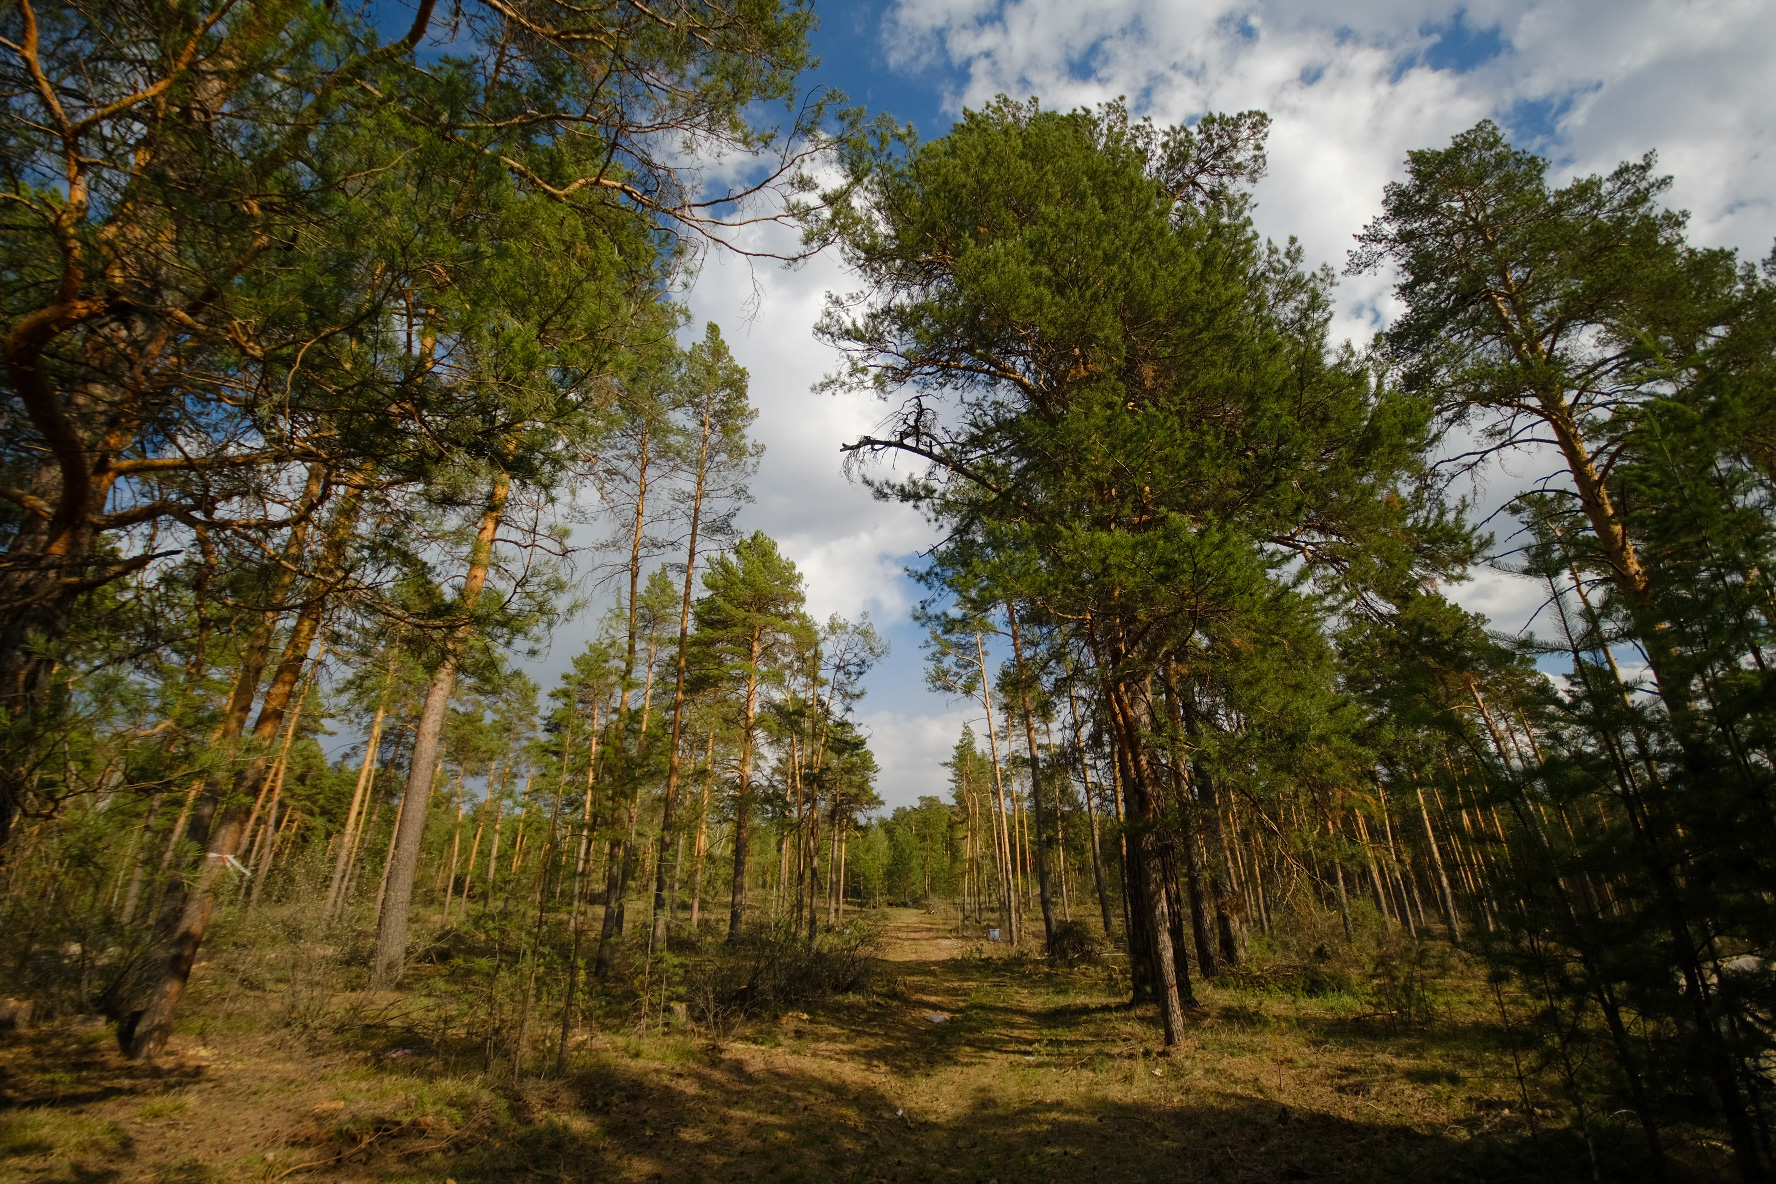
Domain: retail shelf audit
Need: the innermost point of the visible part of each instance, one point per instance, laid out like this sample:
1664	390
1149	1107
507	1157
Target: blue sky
1350	88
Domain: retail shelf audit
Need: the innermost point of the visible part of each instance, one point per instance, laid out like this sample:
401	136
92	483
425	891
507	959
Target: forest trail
962	1062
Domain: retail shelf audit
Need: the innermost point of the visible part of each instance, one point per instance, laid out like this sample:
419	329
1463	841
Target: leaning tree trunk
219	820
186	915
397	900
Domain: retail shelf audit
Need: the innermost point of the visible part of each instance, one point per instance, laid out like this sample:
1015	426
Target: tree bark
1046	828
1449	914
219	823
702	848
662	917
743	793
354	817
397	904
1171	981
1008	902
617	857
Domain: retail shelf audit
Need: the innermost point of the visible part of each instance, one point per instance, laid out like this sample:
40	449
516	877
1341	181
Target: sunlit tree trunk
392	922
1047	829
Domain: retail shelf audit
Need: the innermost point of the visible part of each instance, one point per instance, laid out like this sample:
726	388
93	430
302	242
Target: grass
1034	1074
53	1133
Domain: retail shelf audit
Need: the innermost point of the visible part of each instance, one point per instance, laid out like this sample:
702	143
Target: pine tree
1142	428
749	626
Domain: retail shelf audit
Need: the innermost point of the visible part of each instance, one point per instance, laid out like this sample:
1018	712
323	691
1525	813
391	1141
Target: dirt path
955	1066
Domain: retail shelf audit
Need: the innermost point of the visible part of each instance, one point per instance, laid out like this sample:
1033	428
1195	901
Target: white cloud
910	750
850	547
1350	89
847	544
1510	602
1350	93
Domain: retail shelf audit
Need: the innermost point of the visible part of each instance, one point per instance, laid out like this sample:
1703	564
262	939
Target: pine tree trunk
1381	896
354	817
743	794
455	852
668	809
1449	914
139	862
1171	983
1047	832
388	857
1002	811
392	921
702	848
218	823
617	857
474	853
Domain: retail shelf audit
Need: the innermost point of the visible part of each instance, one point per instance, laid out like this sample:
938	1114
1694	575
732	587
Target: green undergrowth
994	1064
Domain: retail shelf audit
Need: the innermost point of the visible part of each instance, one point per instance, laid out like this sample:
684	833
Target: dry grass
1029	1075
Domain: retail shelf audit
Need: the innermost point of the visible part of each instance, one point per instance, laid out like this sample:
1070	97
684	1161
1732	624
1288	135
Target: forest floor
954	1065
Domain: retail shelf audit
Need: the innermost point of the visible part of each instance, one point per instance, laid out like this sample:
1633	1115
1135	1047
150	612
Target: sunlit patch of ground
961	1063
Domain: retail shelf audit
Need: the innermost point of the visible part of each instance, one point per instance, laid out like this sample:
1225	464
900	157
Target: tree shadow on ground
719	1121
861	1090
978	1023
87	1071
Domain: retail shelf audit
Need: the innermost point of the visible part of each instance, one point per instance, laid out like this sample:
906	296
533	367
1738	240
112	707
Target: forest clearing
951	1064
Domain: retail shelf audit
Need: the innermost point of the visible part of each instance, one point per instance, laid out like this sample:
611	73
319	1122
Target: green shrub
770	970
1076	945
1404	978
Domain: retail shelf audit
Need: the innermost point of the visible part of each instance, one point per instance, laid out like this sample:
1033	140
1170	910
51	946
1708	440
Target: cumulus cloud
910	749
1350	89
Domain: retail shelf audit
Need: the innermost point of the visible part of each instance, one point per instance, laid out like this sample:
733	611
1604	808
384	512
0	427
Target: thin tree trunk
1171	985
1449	914
632	854
743	794
680	671
499	818
1047	832
455	852
1400	872
348	844
392	921
474	852
1381	896
617	857
188	911
388	857
576	915
139	862
1008	894
523	817
702	848
1344	910
275	782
